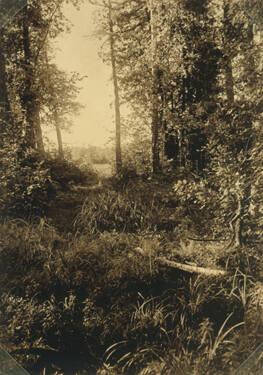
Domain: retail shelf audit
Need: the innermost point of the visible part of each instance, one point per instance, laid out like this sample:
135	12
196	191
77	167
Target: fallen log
184	267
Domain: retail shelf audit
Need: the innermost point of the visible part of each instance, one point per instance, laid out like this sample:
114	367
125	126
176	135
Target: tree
59	99
30	100
232	143
6	121
116	90
108	29
155	103
28	39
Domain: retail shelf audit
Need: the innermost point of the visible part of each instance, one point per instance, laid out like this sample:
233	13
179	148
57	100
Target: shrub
27	249
247	259
25	183
65	172
54	323
22	319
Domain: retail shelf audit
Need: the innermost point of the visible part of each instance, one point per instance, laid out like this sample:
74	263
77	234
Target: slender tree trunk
162	129
59	138
116	93
38	129
156	167
33	132
28	97
236	222
6	120
248	143
229	79
243	196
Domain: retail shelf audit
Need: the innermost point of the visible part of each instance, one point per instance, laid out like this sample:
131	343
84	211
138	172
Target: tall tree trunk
229	79
39	135
156	167
116	92
243	196
38	130
59	137
162	128
248	143
33	132
236	221
6	120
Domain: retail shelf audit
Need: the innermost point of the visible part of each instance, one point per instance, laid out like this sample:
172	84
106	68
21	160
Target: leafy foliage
24	184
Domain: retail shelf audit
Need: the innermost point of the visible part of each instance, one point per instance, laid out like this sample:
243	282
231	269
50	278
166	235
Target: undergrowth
91	293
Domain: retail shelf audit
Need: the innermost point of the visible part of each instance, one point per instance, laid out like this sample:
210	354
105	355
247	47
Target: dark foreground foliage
87	301
31	181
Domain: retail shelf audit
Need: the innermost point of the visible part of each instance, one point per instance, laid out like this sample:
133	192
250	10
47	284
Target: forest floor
68	204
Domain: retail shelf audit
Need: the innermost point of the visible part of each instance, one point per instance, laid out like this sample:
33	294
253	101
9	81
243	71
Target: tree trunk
244	196
116	93
33	133
163	126
38	129
248	143
235	224
229	79
39	136
59	138
210	272
156	167
6	120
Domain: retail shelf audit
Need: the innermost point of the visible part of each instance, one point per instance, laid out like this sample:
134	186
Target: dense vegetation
157	269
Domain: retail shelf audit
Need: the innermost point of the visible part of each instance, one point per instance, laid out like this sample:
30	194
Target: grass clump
121	212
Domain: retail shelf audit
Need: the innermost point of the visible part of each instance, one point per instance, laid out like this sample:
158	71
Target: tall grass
89	292
121	212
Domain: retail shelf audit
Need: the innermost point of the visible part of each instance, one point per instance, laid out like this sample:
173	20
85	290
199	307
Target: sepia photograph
131	187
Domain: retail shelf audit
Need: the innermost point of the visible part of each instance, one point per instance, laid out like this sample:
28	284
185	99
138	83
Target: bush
247	259
28	249
63	324
65	172
30	180
25	183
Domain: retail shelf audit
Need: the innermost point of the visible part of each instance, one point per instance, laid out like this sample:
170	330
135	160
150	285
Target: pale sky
78	51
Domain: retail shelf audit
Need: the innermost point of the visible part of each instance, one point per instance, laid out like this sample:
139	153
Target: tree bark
237	224
248	143
39	136
163	126
59	138
6	120
33	132
118	150
229	79
184	267
155	105
38	130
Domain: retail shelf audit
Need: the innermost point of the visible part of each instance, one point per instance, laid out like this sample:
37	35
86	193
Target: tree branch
184	267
